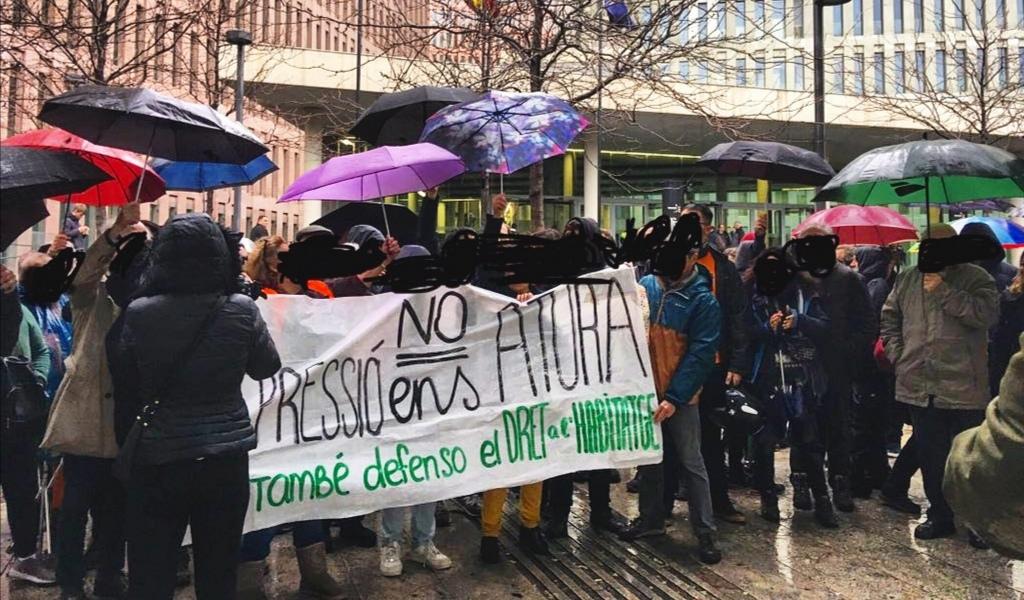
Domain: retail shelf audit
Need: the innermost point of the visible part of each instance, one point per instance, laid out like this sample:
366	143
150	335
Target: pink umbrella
863	225
384	171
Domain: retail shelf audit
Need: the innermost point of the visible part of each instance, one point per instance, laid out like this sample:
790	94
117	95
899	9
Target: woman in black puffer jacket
191	465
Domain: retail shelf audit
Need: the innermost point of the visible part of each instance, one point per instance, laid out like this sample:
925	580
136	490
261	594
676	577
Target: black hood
589	227
991	265
192	255
872	262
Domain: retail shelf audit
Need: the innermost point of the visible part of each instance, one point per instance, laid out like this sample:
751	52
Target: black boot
841	493
770	507
490	550
801	491
823	512
556	529
607	521
633	485
707	550
531	541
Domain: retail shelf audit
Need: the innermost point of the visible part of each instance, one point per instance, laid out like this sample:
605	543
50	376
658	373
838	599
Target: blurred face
78	213
263	220
705	227
691	263
275	261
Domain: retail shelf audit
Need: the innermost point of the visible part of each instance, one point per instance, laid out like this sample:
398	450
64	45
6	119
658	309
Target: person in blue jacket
685	322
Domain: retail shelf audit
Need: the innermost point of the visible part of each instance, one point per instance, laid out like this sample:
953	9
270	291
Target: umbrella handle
145	166
387	226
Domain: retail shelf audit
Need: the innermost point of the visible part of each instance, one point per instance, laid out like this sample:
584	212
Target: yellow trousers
494	503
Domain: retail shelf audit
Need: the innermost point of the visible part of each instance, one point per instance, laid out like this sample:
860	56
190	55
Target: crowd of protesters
147	347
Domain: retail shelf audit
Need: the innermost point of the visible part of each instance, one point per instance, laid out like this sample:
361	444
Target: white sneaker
430	556
391	560
32	569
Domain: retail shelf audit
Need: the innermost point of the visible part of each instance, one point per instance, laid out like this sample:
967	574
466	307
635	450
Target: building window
918	16
878	17
1020	65
961	70
759	71
979	14
741	71
718	20
1001	14
702	71
858	74
879	71
958	15
779	72
759	13
702	21
779	16
900	72
798	72
798	18
940	70
838	67
897	16
741	18
858	17
1003	66
684	27
1020	24
684	69
940	14
982	68
919	71
837	20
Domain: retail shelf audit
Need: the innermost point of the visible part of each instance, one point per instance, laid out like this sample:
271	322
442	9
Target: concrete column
591	177
311	158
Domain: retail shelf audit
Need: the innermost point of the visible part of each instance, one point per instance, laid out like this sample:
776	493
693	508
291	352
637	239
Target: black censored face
937	254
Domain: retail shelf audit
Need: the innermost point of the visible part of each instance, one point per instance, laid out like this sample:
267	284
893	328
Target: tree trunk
536	85
537	195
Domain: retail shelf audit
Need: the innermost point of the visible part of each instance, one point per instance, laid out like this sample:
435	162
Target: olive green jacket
985	471
938	341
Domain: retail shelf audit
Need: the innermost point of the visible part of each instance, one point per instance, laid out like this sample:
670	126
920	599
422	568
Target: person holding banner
685	325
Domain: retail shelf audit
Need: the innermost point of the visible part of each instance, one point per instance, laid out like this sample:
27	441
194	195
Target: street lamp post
819	72
240	39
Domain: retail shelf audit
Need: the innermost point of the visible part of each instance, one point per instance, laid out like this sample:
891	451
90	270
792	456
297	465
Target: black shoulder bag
22	396
126	455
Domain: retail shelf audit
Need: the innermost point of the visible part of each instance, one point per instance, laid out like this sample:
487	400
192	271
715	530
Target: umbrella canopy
1009	234
34	173
205	176
151	124
124	168
397	119
930	171
768	160
503	132
401	221
863	225
385	171
17	216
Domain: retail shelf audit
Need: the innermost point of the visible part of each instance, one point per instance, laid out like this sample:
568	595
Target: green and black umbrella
927	172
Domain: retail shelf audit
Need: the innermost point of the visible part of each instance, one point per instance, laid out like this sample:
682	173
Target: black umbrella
17	216
397	119
401	221
152	124
34	173
768	160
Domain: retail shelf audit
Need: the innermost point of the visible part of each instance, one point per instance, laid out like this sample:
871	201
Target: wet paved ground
873	555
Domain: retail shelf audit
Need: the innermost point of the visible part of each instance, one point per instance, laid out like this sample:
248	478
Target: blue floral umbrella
503	132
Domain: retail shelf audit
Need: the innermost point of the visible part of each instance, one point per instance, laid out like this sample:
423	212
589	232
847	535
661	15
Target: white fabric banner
399	399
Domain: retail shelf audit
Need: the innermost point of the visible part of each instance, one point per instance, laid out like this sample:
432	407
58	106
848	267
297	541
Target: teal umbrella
926	172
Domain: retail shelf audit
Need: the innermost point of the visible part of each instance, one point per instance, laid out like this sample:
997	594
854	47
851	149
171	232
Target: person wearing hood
1001	271
874	389
48	311
1004	338
685	326
187	341
935	329
81	423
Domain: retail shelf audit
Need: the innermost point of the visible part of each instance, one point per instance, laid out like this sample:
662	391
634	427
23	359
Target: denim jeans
681	437
392	521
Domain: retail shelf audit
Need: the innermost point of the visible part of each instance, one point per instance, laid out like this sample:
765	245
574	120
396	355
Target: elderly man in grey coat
935	330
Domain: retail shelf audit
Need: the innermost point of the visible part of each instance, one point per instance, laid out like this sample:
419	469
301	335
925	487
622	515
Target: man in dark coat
75	229
1001	271
854	328
731	366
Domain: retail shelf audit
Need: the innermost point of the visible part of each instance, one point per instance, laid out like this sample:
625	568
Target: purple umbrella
384	171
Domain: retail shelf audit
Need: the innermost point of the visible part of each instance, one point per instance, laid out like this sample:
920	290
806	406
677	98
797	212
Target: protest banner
399	399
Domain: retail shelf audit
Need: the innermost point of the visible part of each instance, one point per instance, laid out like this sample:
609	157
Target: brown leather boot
316	582
249	585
